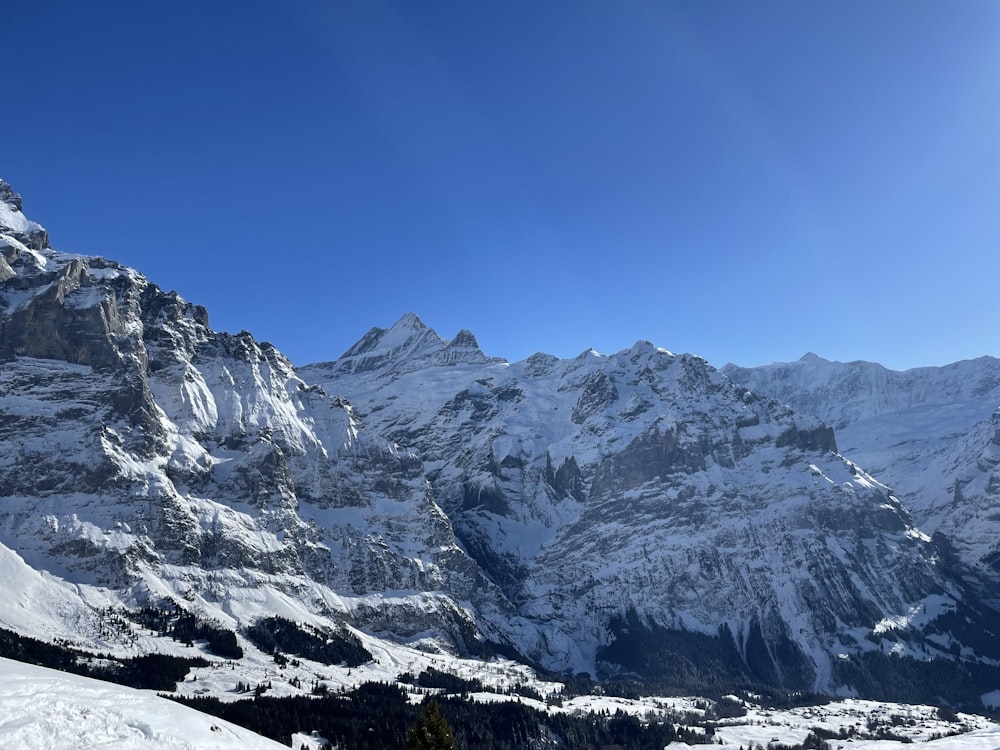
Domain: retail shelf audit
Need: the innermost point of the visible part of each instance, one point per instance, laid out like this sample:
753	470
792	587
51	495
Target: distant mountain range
641	517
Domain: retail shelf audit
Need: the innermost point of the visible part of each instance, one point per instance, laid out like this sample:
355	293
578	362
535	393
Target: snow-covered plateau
641	517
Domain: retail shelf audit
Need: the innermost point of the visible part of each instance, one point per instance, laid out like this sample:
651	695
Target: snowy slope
932	433
45	709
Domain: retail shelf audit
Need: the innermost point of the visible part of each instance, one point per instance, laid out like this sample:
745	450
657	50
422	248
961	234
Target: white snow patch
43	708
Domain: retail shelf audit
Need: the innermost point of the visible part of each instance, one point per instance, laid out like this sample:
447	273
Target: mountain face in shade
638	515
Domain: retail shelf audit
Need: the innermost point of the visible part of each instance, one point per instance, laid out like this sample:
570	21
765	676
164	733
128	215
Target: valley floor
44	708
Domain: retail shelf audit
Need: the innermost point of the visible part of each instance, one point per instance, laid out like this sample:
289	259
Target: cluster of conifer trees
280	636
380	716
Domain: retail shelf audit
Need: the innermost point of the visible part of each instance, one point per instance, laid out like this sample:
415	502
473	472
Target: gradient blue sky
747	181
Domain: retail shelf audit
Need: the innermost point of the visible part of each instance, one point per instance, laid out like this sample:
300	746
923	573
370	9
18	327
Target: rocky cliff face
644	491
932	433
145	453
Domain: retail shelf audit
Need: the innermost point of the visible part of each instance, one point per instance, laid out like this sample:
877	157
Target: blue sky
745	181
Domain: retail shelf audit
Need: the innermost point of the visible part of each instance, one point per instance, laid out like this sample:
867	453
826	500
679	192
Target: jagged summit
464	340
408	343
8	196
16	231
408	332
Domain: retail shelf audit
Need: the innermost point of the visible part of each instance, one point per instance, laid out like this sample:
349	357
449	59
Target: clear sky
747	181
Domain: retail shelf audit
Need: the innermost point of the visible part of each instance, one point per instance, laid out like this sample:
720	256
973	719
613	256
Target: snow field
42	709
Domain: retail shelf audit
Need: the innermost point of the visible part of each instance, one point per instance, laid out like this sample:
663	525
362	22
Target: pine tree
431	732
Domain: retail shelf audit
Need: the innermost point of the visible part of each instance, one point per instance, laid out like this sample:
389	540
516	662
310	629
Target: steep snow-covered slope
644	490
932	433
147	455
848	393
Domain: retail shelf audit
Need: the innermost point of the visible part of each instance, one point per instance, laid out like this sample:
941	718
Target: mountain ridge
618	515
493	409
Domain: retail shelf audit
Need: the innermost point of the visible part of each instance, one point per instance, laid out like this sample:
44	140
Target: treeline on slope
434	679
650	660
673	661
169	619
902	679
276	635
149	671
437	680
379	715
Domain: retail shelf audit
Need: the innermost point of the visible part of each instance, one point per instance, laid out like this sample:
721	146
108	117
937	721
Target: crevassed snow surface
47	710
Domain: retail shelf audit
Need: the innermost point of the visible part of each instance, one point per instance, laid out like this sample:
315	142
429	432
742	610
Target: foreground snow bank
45	709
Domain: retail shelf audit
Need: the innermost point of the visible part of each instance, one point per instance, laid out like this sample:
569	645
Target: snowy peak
407	339
405	332
15	229
812	357
408	344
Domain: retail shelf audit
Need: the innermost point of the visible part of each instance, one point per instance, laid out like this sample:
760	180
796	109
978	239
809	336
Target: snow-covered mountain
642	497
634	515
146	455
932	433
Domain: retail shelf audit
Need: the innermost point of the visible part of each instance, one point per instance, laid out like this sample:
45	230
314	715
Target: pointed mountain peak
409	322
464	340
810	357
409	344
408	336
409	332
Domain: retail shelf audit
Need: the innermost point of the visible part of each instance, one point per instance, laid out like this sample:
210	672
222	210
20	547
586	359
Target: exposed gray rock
648	483
144	449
